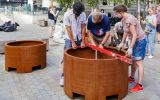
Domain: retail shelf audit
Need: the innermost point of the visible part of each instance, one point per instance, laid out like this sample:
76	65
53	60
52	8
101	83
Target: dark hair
120	8
78	8
102	10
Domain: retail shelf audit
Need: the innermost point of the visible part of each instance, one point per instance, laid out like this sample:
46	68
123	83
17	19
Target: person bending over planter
118	32
75	29
98	28
137	47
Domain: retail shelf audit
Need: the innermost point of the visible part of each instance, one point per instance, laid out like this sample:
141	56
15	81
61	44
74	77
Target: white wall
30	2
39	2
45	3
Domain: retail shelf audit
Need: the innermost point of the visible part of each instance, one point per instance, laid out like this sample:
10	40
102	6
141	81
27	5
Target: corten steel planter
23	55
94	78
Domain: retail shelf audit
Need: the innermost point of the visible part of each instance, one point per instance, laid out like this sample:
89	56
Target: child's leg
50	32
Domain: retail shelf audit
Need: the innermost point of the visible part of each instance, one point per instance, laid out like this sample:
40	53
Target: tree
65	3
93	3
138	9
126	2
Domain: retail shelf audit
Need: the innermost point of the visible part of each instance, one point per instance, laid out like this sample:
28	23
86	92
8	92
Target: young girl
52	15
137	47
150	29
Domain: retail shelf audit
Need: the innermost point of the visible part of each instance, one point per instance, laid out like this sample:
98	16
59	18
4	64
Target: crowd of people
97	28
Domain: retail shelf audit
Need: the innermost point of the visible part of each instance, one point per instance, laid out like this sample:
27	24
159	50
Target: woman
150	30
52	15
137	47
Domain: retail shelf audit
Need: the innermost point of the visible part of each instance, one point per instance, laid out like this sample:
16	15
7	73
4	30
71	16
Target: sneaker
150	56
61	82
147	54
136	88
131	79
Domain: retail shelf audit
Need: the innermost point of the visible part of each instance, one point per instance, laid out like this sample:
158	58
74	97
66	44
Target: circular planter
23	55
94	78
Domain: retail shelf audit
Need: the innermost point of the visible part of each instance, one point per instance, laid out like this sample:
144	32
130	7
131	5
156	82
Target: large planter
94	78
24	55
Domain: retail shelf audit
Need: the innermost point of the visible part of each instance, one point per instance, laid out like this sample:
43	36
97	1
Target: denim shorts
68	43
139	49
51	23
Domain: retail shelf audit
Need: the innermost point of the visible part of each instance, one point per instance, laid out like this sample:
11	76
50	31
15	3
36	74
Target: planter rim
88	58
42	43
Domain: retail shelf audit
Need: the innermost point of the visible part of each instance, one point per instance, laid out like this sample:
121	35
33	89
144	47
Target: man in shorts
75	28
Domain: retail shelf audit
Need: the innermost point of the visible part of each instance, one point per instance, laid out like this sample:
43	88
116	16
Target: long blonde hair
51	6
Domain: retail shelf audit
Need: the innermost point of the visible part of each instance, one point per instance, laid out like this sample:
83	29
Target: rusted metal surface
23	55
94	78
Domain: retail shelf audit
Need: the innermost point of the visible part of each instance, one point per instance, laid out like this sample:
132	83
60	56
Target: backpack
10	28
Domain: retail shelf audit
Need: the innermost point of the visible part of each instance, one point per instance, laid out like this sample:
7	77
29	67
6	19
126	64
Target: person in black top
52	16
34	6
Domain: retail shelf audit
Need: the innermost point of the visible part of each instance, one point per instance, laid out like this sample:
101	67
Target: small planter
94	78
23	55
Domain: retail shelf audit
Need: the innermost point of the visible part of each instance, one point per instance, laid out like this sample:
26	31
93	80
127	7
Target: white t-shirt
69	20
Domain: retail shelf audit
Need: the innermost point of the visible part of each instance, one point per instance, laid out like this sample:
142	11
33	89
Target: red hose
107	52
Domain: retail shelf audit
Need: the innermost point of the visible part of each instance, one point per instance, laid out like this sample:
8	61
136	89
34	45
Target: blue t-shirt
99	29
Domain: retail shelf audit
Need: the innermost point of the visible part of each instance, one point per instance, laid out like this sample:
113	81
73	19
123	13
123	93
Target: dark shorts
139	49
158	28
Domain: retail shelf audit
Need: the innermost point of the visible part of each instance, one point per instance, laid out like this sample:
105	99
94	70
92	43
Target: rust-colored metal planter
23	55
94	78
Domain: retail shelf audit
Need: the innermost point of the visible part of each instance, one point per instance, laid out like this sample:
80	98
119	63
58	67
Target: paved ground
44	84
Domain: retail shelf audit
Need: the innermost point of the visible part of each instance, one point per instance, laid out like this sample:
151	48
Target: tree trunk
138	9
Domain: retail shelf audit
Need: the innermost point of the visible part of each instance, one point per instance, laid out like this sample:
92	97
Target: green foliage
92	3
65	3
126	2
